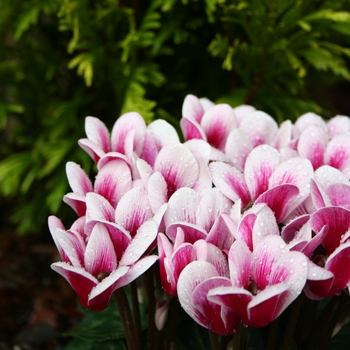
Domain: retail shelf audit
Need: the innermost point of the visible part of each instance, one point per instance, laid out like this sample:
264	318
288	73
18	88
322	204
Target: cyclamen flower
262	283
195	282
282	185
98	263
129	135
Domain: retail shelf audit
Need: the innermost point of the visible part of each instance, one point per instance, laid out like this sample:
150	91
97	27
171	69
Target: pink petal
294	171
267	305
77	202
101	294
79	182
265	255
212	312
339	195
221	233
265	224
319	281
97	132
161	314
313	243
144	237
339	124
128	122
99	254
337	153
319	196
157	191
260	164
312	144
149	150
110	156
310	119
238	146
72	245
217	123
120	238
327	175
113	181
210	253
284	135
230	182
162	133
192	108
292	269
133	210
192	130
260	128
92	149
235	298
291	229
338	263
338	221
55	223
191	276
97	209
242	111
178	166
192	233
136	270
182	206
239	260
80	280
281	199
212	204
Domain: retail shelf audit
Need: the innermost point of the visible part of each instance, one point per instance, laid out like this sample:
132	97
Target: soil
37	306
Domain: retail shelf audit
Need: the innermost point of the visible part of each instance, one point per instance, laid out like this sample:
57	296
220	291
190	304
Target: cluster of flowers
244	215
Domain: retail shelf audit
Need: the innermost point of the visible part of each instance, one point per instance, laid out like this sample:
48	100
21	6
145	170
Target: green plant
65	59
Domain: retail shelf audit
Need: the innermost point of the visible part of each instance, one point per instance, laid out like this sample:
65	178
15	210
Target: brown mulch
36	304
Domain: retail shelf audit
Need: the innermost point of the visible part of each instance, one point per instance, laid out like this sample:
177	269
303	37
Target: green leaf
28	18
84	63
324	60
12	170
328	14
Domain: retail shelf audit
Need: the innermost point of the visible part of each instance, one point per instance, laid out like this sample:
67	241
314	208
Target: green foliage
64	59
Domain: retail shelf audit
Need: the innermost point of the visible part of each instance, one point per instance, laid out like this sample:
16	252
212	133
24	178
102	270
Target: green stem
136	312
293	318
239	341
126	318
273	332
213	340
172	319
151	308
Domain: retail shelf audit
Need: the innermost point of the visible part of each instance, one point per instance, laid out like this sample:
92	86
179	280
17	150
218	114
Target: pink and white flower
262	283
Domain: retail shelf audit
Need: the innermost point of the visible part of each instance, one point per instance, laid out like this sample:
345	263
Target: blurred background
63	60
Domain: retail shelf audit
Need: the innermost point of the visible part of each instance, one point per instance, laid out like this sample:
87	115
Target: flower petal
80	280
133	210
178	166
312	145
230	181
99	254
217	123
145	236
113	181
97	132
260	164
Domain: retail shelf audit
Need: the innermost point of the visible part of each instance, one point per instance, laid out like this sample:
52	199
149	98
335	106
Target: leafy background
62	60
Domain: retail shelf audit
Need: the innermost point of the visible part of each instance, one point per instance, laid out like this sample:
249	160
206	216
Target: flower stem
136	312
293	318
213	340
126	318
239	341
149	285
